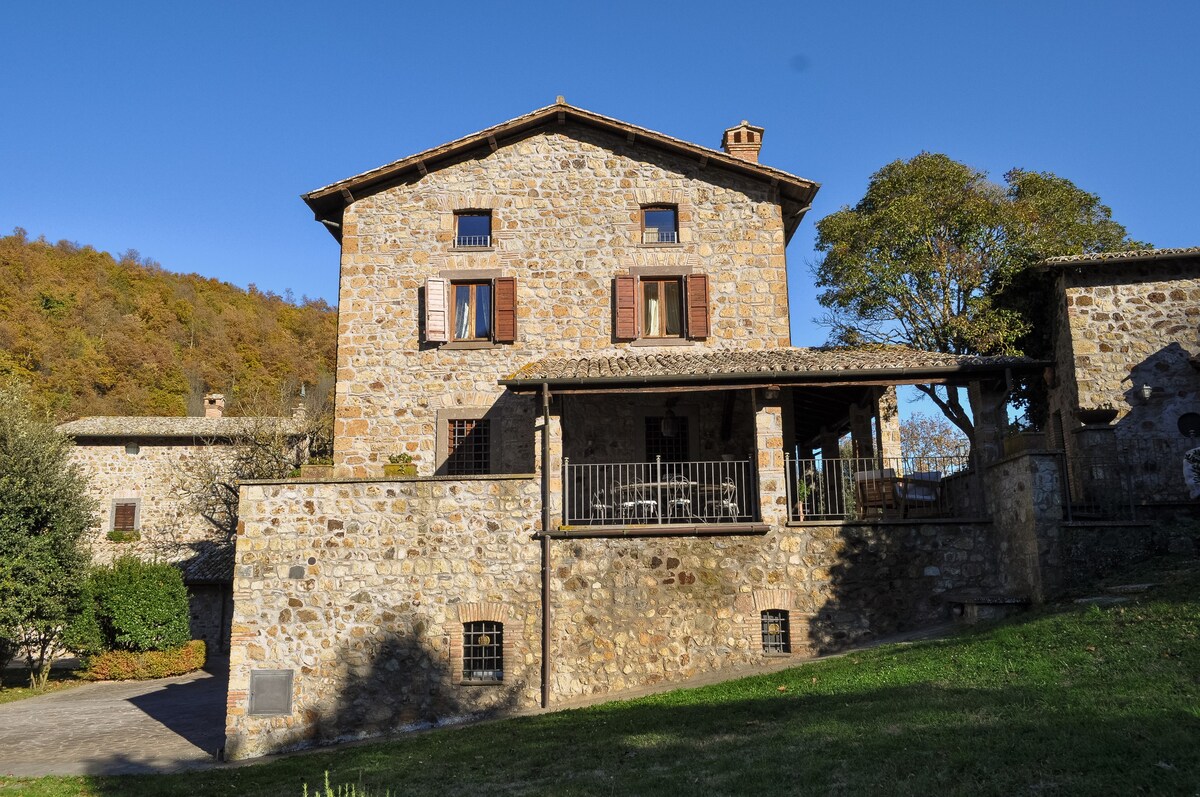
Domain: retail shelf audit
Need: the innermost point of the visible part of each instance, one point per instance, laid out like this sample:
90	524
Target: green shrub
126	665
127	535
131	605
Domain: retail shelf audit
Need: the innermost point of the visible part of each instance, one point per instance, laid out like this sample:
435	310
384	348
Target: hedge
124	665
131	605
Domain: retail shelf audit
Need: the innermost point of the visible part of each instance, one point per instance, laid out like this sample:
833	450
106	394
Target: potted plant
1100	415
400	465
317	468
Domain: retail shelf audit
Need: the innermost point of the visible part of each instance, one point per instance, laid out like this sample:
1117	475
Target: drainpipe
545	545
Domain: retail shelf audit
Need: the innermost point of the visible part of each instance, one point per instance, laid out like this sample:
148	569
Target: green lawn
1072	700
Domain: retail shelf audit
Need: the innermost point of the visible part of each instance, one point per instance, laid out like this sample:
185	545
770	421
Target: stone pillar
889	423
987	408
556	458
772	476
862	438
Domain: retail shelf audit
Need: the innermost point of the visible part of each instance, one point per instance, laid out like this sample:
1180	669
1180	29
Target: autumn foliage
95	335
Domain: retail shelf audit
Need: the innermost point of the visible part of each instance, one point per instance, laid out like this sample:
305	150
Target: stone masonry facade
565	207
146	472
1123	325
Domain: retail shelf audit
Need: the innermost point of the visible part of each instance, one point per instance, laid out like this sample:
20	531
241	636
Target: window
468	447
483	651
668	306
471	311
775	636
667	437
662	307
132	449
473	228
660	224
124	516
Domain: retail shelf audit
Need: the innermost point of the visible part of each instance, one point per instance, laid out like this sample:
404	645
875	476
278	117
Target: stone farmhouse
577	329
135	467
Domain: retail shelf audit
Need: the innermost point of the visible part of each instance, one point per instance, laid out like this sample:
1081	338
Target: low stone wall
360	589
357	588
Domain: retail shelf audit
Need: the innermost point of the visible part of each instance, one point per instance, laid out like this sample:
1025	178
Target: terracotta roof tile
1111	257
733	363
160	426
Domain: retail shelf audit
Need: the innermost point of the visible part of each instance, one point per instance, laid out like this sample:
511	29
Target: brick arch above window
475	612
764	599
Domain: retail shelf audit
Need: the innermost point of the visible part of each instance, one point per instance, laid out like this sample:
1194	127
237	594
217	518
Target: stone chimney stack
743	141
214	405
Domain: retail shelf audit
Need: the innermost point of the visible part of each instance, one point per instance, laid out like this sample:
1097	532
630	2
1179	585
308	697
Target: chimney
214	405
743	141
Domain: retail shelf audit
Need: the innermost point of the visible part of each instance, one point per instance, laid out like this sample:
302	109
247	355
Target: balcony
881	488
659	493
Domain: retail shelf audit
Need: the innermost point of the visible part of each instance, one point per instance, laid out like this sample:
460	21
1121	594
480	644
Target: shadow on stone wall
888	579
383	685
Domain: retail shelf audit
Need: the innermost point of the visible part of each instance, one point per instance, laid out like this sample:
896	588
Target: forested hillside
94	335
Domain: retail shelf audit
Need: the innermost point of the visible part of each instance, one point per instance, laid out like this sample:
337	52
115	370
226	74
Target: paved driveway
116	728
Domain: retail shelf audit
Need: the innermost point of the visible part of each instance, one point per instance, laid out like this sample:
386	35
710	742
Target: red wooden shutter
506	309
437	329
123	521
626	302
697	305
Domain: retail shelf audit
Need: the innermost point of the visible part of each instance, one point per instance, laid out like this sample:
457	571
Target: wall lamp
1146	392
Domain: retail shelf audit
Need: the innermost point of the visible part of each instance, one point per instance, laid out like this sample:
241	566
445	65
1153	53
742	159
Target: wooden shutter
437	327
626	304
124	517
506	309
697	305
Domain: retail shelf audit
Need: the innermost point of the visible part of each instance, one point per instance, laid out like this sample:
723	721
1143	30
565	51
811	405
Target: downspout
545	545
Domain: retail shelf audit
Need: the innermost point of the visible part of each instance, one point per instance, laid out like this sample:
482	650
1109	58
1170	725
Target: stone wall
1121	326
147	472
360	588
565	204
1024	496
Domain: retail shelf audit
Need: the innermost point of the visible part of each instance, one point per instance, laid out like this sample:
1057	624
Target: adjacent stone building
140	470
577	330
1126	388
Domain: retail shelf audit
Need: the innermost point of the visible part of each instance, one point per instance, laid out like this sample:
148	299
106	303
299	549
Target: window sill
663	342
458	345
491	248
776	655
645	245
480	683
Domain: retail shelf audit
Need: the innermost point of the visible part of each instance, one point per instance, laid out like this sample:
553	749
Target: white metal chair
724	506
679	497
637	505
601	508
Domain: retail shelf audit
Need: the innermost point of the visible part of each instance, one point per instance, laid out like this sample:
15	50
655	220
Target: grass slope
1073	700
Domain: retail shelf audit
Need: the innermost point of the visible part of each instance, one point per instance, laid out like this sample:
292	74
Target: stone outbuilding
1125	395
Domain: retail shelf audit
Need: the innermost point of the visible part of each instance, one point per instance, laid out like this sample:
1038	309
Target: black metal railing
853	488
659	492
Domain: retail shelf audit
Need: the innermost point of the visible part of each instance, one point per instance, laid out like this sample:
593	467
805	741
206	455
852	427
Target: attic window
660	224
472	229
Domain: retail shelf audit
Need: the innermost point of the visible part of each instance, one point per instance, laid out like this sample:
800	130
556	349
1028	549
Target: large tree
933	255
44	514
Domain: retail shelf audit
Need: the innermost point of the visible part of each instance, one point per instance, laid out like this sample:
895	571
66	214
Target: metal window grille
775	634
483	651
468	447
667	437
473	240
653	236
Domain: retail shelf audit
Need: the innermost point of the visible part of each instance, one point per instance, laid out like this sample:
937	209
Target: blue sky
187	131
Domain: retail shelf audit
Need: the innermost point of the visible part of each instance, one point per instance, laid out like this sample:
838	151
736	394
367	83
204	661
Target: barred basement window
483	651
775	636
469	447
